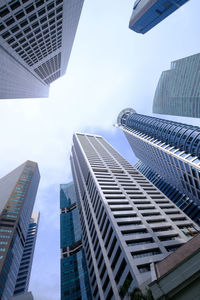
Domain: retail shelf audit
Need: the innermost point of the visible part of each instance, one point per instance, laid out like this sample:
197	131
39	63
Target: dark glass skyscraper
148	13
24	273
18	191
74	274
187	205
178	90
36	39
171	149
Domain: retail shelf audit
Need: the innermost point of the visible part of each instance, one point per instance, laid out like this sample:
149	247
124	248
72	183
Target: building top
124	114
183	253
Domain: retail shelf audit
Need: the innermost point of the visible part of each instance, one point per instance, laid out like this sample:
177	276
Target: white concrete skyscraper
36	39
127	222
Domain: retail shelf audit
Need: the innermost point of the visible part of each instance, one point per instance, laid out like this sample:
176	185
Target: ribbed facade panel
178	89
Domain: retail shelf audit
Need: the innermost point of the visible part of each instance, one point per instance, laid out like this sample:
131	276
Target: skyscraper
148	13
35	44
127	222
169	148
178	89
24	273
187	205
74	273
18	191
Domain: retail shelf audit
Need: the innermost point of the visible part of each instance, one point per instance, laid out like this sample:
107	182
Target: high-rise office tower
24	272
36	39
127	222
74	273
187	205
178	89
18	191
171	149
148	13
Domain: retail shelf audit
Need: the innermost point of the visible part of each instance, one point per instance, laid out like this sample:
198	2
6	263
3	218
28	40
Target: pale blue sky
111	67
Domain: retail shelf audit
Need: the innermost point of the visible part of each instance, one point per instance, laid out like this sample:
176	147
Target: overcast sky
111	68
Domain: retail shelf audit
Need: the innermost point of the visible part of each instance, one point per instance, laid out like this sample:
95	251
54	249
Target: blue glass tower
74	274
178	90
187	205
148	13
169	148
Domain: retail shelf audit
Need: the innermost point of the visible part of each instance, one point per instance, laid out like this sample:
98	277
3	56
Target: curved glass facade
74	274
178	89
181	136
169	148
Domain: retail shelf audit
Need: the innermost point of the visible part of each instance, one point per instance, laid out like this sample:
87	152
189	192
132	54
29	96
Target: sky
110	68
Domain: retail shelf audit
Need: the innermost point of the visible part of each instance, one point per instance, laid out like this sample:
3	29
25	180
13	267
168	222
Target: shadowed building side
187	205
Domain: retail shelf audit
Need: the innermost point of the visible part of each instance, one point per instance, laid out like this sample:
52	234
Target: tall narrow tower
169	148
127	222
18	191
24	273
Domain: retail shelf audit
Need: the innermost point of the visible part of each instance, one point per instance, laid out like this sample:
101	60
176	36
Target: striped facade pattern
127	222
178	89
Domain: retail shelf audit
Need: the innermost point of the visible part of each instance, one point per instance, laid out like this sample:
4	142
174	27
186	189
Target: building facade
18	191
148	13
178	89
24	272
171	149
127	222
74	273
25	296
35	44
187	205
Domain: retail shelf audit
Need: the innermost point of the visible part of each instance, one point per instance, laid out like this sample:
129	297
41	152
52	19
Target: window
120	270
